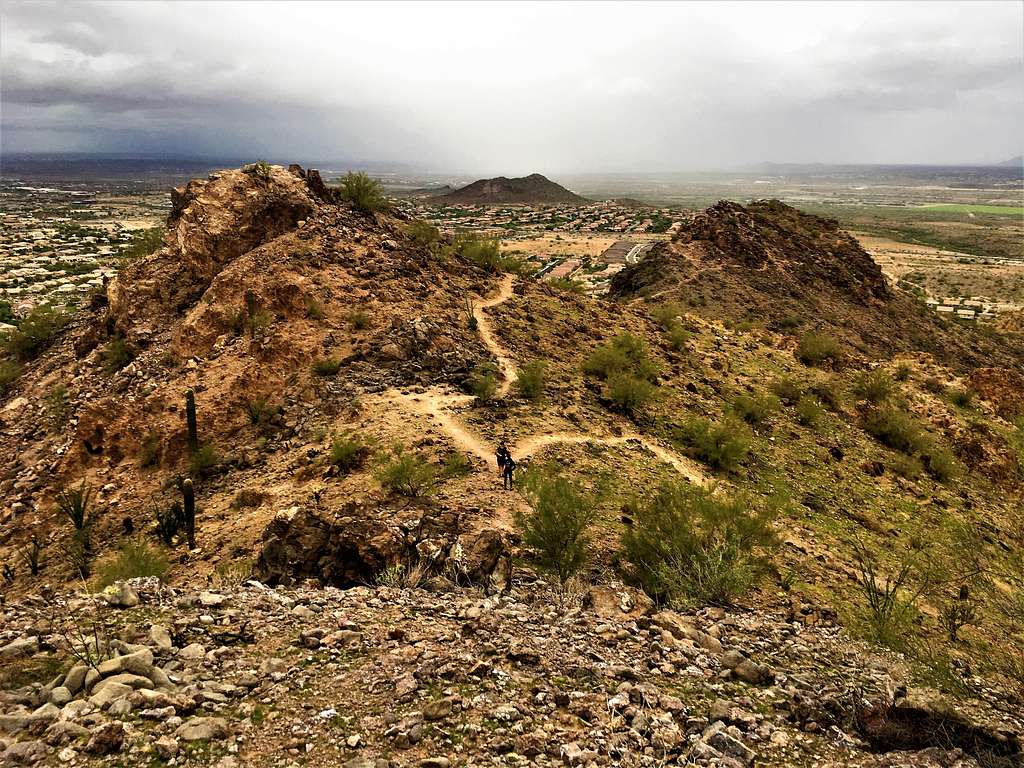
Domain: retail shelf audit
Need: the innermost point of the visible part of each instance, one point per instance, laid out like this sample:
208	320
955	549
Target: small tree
365	194
687	544
555	527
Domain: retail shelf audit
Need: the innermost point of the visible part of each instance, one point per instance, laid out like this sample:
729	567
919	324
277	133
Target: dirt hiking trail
439	404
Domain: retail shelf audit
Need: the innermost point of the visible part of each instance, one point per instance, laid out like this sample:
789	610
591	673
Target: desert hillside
790	542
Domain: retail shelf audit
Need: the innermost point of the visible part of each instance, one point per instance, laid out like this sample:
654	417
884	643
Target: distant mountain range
530	190
1013	162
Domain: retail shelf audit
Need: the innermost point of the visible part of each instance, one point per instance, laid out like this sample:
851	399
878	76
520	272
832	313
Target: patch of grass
755	409
365	194
135	559
690	546
327	366
149	449
817	349
74	503
117	354
903	371
529	382
668	315
348	452
721	445
961	397
677	337
555	527
143	243
939	462
875	386
828	393
566	284
889	607
260	411
359	320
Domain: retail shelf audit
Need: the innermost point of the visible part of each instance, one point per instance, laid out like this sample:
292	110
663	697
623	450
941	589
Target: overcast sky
518	88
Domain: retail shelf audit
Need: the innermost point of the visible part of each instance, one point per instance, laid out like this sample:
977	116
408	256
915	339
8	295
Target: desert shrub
960	397
408	474
143	243
626	353
260	321
720	445
906	466
903	371
260	169
169	520
529	382
939	462
314	309
875	386
566	284
456	465
755	409
828	393
788	323
809	411
135	559
326	366
688	545
423	233
486	253
402	575
260	411
555	527
889	607
787	390
57	406
628	393
35	332
9	372
895	428
117	354
359	320
32	555
934	385
204	460
149	449
6	313
818	349
677	337
483	382
667	315
365	194
348	452
73	503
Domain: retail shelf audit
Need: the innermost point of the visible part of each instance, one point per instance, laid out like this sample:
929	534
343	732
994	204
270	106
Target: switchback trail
439	405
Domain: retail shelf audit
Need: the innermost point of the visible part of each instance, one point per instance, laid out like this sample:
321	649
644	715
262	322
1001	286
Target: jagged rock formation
534	189
770	264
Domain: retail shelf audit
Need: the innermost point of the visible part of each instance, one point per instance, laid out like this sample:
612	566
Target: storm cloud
510	88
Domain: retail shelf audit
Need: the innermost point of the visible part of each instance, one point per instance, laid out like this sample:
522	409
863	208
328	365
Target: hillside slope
534	189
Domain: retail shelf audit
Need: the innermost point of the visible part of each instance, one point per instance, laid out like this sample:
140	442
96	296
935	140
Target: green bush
260	411
365	194
359	320
677	337
690	546
35	332
529	382
903	371
204	460
136	559
755	410
555	527
117	354
827	392
874	386
483	382
9	372
890	608
896	428
314	309
818	349
566	284
327	366
960	397
6	313
939	462
424	233
906	466
720	445
626	353
408	474
260	169
809	411
629	394
787	390
456	465
668	315
149	449
349	452
487	254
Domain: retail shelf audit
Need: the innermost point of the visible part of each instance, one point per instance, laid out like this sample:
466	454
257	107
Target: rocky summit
764	510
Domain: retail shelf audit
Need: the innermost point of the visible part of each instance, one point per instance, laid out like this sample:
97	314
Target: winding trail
439	404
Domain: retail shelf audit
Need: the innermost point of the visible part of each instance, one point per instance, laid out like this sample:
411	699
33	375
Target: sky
517	88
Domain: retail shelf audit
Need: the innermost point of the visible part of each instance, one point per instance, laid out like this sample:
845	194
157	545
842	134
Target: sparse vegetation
787	390
626	353
348	452
169	520
483	382
889	606
327	366
204	460
260	411
629	394
529	383
689	546
34	333
260	169
875	386
365	194
117	354
895	428
73	503
314	309
57	406
9	372
817	349
809	411
555	527
721	445
135	559
359	320
486	253
408	474
755	409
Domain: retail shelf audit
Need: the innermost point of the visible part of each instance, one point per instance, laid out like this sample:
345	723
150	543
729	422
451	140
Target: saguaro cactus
189	496
190	416
251	309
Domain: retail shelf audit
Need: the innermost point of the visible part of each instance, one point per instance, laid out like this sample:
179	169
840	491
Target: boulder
203	729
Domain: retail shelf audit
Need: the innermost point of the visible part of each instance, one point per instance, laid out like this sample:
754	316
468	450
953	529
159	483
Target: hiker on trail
502	455
506	472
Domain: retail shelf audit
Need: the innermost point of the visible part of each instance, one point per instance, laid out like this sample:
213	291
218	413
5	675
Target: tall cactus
251	309
190	416
189	496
